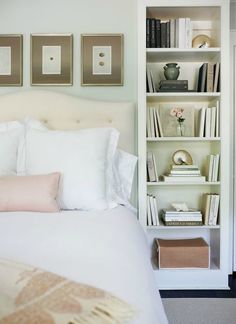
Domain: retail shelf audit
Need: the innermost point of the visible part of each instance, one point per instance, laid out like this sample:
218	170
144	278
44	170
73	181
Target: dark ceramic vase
171	71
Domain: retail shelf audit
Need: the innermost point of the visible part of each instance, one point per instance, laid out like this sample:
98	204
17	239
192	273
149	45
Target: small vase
171	71
180	131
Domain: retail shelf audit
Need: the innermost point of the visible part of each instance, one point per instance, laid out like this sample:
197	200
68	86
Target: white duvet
105	249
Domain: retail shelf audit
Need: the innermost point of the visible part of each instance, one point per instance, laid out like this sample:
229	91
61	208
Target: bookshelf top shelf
183	139
183	54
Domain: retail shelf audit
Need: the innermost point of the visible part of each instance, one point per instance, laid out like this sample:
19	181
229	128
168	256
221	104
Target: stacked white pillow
94	174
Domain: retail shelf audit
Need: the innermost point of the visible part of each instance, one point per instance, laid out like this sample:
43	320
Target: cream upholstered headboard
65	112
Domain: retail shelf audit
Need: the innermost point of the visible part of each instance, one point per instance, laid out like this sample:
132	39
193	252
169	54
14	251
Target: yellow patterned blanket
30	295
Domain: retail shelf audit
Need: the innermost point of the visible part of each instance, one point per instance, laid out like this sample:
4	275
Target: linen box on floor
183	253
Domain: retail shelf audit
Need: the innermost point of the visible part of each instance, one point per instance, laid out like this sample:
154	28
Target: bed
107	248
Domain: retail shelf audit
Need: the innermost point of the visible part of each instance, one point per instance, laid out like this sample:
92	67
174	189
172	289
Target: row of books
181	218
211	209
152	175
213	167
209	77
154	128
168	33
209	125
152	211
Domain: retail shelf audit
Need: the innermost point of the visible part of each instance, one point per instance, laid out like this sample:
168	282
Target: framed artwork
11	60
102	59
51	59
170	116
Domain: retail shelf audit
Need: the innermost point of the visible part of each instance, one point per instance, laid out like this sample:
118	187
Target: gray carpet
200	310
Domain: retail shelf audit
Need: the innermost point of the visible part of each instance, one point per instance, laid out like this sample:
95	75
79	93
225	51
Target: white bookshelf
212	18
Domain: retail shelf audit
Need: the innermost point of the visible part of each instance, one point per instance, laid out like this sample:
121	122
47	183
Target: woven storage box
183	253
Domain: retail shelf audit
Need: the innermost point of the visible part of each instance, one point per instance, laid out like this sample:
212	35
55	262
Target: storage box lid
194	242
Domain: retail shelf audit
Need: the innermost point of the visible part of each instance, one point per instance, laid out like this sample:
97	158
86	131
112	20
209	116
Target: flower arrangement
179	114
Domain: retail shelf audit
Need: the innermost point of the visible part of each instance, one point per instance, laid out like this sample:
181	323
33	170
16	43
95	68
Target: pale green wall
76	16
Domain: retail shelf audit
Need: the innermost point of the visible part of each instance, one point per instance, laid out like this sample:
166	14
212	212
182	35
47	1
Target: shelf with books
155	55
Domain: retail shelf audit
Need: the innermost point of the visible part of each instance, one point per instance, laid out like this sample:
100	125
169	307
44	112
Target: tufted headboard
65	112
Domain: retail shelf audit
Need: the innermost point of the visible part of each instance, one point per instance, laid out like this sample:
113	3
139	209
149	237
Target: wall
233	15
75	16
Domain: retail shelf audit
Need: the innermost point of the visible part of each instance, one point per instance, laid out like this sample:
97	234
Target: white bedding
106	249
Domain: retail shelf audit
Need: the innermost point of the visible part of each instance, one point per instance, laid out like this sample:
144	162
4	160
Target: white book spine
150	167
202	122
183	218
212	207
153	214
210	167
172	33
182	33
155	167
216	209
156	128
150	87
188	33
216	168
149	217
208	123
159	123
152	122
148	122
213	121
217	118
156	210
216	76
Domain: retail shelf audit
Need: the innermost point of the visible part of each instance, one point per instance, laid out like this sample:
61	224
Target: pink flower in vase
179	114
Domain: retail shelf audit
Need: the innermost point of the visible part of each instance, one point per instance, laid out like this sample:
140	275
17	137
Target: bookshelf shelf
164	227
182	96
183	139
154	111
192	183
182	55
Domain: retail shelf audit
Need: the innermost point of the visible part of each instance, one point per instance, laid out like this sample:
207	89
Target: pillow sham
123	169
10	135
84	159
29	193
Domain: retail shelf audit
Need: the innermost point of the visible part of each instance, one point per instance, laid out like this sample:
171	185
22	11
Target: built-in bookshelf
205	136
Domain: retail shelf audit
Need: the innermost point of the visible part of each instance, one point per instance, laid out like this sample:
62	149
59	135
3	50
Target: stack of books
154	128
209	121
209	77
211	208
169	33
173	85
152	175
152	211
184	173
191	217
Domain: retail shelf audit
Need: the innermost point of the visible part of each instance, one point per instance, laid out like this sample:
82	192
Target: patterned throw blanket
30	295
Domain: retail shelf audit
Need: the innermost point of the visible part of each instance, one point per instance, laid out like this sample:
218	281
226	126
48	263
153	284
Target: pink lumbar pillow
29	193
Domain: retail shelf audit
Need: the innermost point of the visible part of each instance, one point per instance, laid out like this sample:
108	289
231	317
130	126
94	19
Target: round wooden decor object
182	157
201	41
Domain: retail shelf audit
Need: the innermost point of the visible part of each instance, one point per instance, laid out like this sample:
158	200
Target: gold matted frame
11	65
102	59
51	59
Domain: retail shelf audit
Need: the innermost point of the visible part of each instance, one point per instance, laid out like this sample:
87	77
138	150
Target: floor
203	293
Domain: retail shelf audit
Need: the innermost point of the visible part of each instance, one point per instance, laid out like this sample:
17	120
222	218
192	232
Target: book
155	166
149	217
168	34
172	179
163	35
202	122
149	79
156	128
156	210
180	33
206	207
182	223
215	170
158	33
148	32
216	209
152	32
159	123
211	209
148	123
172	33
153	212
188	27
213	122
209	77
202	78
208	123
217	118
152	126
185	172
216	76
151	168
171	85
184	166
152	80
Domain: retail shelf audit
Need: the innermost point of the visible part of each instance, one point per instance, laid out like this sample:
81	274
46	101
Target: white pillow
10	135
123	168
84	159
